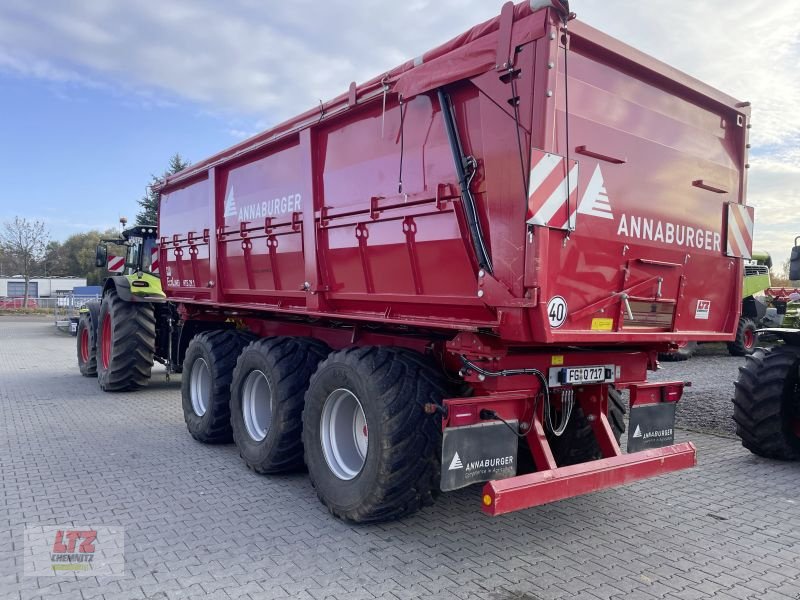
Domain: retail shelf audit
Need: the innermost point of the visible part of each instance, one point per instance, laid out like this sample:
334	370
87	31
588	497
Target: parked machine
755	312
121	334
766	403
449	274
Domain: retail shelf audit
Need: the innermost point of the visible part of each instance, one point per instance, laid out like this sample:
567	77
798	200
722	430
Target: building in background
38	287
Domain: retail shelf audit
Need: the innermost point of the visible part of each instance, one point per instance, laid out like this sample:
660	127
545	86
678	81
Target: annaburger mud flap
651	426
477	453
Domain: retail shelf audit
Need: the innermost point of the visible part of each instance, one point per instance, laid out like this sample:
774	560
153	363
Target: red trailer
449	274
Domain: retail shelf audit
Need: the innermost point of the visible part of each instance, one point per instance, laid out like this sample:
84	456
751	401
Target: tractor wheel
578	443
87	350
685	351
267	397
766	403
127	336
206	386
746	338
372	452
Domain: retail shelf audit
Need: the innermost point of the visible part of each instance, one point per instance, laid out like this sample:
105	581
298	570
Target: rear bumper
524	491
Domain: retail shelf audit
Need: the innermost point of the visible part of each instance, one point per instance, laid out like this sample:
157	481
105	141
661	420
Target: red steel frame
358	263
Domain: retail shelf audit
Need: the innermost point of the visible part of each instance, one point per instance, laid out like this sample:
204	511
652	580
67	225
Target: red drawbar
524	491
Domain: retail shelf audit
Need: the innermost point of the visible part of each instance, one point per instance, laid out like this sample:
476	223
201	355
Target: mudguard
92	308
136	288
789	336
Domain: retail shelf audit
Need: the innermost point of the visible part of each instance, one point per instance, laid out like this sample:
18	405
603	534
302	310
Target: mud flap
477	453
651	426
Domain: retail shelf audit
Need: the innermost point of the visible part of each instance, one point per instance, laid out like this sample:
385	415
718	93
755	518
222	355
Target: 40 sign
557	311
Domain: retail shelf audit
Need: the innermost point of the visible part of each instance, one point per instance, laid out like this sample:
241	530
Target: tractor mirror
794	264
100	255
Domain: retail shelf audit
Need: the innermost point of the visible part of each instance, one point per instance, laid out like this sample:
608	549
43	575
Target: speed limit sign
556	311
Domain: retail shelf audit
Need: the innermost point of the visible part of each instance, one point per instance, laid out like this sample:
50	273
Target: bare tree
24	243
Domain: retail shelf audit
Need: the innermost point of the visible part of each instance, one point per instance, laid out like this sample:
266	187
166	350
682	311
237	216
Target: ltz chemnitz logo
79	550
73	549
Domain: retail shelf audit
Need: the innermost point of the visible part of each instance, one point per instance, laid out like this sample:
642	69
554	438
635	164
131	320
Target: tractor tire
373	454
206	388
578	443
87	348
267	397
766	403
685	351
746	338
127	340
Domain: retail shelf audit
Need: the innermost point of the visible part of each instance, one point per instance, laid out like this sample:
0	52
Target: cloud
266	59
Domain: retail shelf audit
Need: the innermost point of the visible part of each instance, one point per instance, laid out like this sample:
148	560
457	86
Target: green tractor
766	403
755	312
121	335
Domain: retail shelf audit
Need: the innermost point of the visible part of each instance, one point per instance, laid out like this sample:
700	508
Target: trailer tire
206	388
685	351
746	338
87	348
766	403
127	339
578	443
394	469
276	369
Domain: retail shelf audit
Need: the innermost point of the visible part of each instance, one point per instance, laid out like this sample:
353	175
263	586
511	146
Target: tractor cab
141	248
134	273
140	243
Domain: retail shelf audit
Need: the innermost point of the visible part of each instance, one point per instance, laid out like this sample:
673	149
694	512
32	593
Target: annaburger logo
489	463
485	463
263	209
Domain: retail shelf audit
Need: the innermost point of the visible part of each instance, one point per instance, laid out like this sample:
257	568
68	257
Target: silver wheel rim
257	405
200	386
345	438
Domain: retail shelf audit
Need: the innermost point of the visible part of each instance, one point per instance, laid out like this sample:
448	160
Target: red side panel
605	210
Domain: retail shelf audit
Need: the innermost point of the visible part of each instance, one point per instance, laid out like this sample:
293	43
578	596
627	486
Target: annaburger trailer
448	274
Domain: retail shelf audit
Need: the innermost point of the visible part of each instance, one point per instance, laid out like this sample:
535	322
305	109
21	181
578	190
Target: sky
96	96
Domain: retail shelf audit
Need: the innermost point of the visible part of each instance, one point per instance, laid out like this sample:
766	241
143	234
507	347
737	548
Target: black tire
401	469
684	352
86	346
132	344
746	338
766	403
578	443
286	364
218	350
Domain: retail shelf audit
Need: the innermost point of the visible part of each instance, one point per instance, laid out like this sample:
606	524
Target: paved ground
199	525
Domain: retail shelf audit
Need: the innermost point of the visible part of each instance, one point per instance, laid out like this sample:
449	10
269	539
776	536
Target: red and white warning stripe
553	189
116	264
740	230
154	262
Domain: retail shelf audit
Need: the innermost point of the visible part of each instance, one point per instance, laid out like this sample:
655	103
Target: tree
24	243
76	255
149	202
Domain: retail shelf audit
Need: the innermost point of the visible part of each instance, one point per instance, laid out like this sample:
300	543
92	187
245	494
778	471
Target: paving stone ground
198	524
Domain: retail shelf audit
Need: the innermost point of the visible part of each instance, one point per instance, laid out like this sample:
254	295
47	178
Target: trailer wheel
372	452
578	443
685	351
746	338
127	340
206	386
267	397
766	403
87	350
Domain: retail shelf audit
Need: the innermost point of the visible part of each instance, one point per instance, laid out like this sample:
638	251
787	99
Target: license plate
577	375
